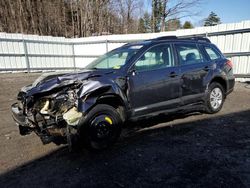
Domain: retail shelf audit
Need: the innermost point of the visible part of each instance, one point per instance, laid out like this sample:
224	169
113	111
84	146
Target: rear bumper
231	83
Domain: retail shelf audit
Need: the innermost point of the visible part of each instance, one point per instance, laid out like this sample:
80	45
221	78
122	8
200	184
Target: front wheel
101	127
215	98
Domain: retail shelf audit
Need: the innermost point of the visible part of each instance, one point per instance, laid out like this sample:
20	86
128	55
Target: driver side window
157	57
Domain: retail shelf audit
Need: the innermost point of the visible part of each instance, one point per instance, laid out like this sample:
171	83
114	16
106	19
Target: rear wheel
101	127
215	98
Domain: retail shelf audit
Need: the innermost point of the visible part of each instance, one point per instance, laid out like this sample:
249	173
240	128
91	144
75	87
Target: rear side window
189	54
213	54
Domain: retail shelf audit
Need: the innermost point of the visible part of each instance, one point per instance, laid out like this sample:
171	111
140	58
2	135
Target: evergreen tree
187	25
141	26
147	22
212	20
144	25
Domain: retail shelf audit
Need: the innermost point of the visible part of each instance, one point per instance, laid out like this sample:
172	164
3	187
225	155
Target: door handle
173	74
206	68
133	72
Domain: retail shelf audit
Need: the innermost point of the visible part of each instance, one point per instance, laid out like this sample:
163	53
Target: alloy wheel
216	98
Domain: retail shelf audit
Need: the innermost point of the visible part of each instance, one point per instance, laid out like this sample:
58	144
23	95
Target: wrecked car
136	81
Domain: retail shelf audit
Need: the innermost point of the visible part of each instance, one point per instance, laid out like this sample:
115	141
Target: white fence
32	53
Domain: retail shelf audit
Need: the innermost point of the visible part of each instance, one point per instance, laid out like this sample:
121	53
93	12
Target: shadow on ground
213	152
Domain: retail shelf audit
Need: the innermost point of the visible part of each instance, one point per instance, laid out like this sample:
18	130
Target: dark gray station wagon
136	81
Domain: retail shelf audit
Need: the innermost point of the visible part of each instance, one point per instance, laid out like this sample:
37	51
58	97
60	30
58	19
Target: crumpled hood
50	81
91	84
47	76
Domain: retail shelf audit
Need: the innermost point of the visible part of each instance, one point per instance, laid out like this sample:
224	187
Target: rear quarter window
212	53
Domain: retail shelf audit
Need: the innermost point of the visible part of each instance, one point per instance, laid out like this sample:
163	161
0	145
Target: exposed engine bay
48	116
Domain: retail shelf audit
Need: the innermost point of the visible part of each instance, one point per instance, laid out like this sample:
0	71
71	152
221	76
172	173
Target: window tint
188	54
155	58
115	59
212	53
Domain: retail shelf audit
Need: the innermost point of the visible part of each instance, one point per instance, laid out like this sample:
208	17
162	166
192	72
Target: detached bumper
17	114
20	119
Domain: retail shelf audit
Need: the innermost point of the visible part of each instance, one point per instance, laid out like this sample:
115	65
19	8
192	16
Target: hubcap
216	98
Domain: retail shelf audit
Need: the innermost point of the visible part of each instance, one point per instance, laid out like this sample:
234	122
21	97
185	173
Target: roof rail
166	37
197	38
201	39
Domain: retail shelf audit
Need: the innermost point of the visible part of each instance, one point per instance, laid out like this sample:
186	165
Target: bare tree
72	17
127	9
83	18
163	16
177	9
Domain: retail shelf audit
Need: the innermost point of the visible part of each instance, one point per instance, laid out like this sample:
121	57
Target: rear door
154	81
194	71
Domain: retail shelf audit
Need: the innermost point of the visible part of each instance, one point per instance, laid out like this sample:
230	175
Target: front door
154	81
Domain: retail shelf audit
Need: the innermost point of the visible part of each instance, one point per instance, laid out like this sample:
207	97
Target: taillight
229	63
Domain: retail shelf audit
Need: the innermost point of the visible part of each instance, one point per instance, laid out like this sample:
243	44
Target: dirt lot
198	150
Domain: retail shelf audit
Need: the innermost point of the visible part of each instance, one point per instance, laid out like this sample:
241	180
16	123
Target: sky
230	11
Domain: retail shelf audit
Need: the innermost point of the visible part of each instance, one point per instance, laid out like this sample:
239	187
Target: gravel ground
195	150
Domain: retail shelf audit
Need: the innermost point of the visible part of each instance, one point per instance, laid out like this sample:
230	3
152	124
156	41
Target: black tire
214	105
101	127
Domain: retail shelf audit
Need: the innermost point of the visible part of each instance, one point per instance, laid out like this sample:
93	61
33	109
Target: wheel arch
221	81
115	101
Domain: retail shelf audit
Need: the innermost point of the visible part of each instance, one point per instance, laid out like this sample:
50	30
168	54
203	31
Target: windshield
114	59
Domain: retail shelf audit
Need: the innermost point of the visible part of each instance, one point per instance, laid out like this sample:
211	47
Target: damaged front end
53	108
48	115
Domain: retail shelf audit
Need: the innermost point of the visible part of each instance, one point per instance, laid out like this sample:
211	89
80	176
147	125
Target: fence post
73	55
26	55
107	47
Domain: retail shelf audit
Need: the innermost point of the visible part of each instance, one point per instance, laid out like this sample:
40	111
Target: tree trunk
163	15
72	18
